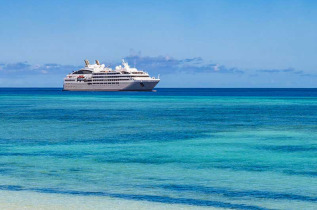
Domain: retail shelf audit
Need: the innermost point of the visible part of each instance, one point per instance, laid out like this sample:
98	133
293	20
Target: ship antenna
86	62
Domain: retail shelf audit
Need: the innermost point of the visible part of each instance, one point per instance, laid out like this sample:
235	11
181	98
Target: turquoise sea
230	148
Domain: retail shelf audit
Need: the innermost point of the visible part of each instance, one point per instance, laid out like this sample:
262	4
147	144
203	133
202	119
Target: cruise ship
98	77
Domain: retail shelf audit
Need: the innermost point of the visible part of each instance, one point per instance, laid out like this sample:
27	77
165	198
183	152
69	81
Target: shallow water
233	148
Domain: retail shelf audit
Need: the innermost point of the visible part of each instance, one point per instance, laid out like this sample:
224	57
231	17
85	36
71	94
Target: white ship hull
97	77
122	86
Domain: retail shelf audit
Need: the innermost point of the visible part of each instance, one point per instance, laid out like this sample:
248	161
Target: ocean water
231	148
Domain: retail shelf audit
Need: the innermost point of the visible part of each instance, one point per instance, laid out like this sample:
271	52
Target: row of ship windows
119	76
98	80
108	76
106	73
137	73
111	80
104	83
117	73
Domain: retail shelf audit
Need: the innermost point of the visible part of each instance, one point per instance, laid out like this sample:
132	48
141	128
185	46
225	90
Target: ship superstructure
98	77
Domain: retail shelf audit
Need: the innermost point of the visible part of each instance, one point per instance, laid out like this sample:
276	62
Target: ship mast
86	62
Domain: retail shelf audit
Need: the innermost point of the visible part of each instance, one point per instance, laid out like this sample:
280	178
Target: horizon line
173	88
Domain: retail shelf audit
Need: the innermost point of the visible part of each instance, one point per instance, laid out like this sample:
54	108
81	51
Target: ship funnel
97	62
86	62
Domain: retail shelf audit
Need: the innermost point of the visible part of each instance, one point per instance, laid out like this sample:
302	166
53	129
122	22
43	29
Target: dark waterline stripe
153	198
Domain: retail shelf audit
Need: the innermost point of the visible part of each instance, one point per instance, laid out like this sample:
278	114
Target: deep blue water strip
283	92
236	193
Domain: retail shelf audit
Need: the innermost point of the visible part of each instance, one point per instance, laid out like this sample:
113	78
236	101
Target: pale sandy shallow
10	200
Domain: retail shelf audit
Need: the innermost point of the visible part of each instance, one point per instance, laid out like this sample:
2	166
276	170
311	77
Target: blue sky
212	43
